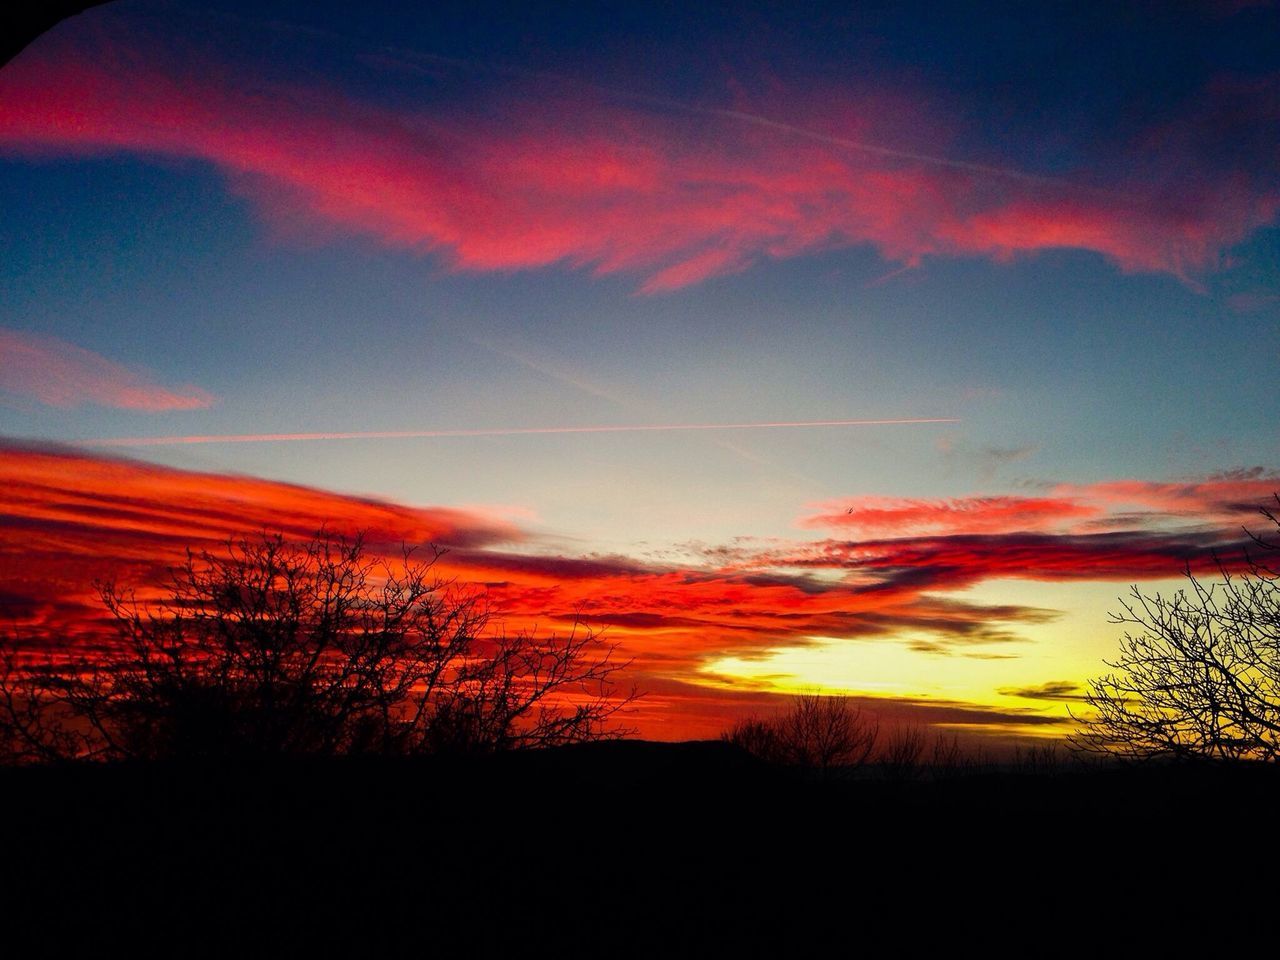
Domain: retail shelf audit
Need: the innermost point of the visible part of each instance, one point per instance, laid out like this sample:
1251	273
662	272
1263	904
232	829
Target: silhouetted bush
307	649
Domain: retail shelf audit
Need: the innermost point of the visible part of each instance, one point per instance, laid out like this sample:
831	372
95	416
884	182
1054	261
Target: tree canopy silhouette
277	648
816	732
1198	675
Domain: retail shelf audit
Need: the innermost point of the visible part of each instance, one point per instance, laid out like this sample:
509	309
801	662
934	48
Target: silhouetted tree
1040	759
946	754
35	723
759	737
900	756
817	732
1198	675
282	648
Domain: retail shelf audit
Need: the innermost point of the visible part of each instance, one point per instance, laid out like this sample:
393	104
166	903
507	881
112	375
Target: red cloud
674	196
891	515
1229	497
894	578
61	374
1224	499
943	563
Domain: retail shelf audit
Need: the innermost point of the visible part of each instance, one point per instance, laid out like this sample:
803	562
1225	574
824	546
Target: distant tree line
832	736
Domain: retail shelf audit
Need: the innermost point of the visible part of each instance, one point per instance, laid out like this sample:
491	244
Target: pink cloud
1137	240
673	197
60	374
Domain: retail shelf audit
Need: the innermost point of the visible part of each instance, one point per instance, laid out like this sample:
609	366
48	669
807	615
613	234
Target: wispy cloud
590	180
561	373
1052	690
61	374
558	372
986	459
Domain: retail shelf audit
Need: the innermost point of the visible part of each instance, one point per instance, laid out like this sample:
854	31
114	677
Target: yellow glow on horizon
988	675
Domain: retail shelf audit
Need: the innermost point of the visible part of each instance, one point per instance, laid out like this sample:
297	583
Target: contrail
404	58
493	432
862	146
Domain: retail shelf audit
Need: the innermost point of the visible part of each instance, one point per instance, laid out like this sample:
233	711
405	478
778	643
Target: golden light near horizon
1039	669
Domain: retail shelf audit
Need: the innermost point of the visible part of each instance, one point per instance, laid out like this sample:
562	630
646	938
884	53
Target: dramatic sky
973	310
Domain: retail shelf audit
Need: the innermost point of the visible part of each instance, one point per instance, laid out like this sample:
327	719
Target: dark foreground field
627	848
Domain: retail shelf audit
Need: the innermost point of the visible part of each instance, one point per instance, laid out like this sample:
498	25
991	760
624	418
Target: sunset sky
967	316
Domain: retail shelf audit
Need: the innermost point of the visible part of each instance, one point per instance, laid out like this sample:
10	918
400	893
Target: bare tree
900	757
282	648
1198	675
523	691
759	737
817	732
946	755
1039	759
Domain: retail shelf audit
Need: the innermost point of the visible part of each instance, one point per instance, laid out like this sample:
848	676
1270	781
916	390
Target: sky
874	351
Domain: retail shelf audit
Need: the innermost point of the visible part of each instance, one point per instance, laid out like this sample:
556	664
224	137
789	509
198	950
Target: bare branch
1198	674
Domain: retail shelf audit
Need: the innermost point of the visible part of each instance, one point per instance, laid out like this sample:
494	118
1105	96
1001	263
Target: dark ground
628	848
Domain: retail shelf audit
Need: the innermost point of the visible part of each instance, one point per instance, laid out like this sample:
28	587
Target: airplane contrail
492	432
405	57
769	123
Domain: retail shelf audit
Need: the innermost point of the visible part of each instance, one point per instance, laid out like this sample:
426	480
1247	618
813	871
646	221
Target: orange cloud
60	374
68	521
891	515
675	196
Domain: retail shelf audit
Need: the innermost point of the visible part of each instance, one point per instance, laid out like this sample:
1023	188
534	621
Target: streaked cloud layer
548	174
69	518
